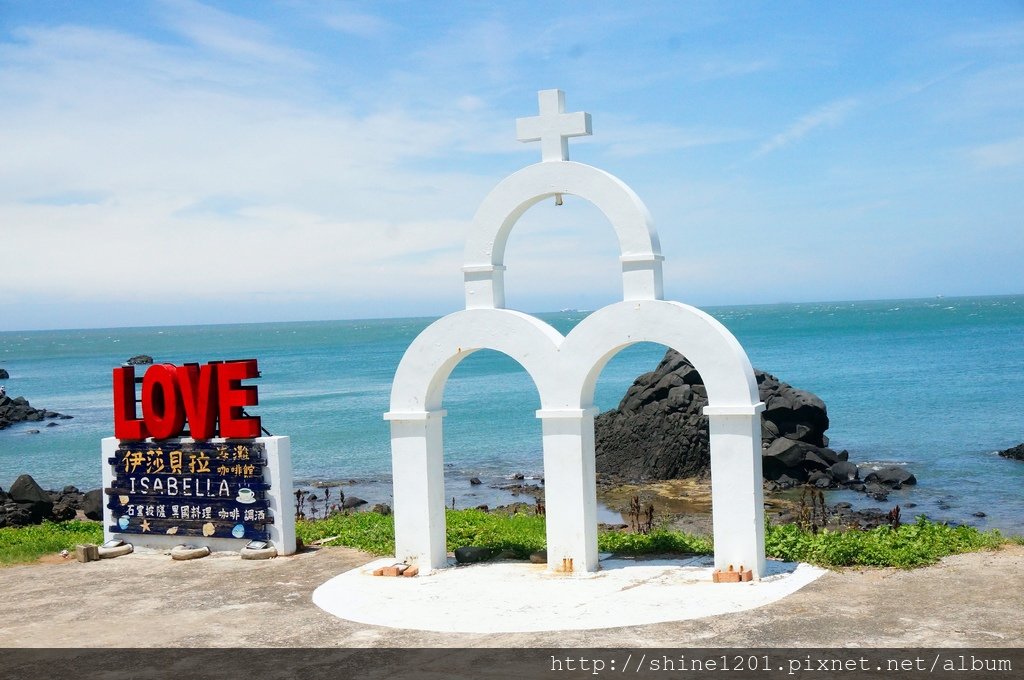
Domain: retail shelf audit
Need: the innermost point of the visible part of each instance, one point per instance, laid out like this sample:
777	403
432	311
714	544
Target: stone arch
734	407
714	351
640	250
419	382
417	393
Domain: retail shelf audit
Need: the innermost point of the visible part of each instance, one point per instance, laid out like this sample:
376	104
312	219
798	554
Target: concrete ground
152	601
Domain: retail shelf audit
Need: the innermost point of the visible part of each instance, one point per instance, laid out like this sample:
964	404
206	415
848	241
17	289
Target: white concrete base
514	597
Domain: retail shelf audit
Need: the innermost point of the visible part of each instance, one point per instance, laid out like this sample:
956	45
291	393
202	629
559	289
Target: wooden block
747	575
411	571
395	569
379	571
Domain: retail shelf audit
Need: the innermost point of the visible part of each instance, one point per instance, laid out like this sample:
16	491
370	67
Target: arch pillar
417	467
570	488
737	494
641	277
485	286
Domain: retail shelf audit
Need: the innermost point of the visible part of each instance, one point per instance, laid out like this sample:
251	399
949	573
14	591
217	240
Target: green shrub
912	545
27	544
367	531
658	541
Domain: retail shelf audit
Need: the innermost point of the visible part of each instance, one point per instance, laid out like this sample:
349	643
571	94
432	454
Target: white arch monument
565	369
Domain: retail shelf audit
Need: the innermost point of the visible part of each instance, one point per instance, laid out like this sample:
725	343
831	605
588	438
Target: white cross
553	126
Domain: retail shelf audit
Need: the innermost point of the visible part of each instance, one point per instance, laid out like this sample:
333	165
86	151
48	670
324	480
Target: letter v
199	393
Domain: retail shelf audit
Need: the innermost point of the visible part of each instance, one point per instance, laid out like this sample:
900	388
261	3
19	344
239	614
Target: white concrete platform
513	597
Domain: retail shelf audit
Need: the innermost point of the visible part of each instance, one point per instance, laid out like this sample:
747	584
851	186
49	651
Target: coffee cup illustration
246	496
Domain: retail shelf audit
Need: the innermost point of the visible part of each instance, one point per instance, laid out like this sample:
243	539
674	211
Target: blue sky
186	162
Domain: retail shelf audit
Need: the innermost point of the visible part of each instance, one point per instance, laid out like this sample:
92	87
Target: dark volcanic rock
658	431
26	490
1016	453
352	502
892	476
31	497
4	375
470	554
17	410
844	471
92	504
15	515
140	360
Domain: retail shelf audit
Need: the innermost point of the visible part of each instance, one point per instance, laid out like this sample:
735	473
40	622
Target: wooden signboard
209	489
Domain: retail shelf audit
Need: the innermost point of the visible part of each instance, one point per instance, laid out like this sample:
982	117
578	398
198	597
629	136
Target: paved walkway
151	600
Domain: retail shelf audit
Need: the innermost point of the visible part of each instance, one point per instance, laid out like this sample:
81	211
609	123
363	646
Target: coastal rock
92	504
26	490
17	410
140	360
658	430
15	515
4	375
1015	453
381	509
844	471
66	504
352	502
891	476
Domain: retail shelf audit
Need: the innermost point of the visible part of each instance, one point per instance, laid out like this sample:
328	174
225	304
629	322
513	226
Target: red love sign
203	396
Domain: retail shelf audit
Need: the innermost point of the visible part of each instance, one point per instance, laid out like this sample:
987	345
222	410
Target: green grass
27	544
911	545
518	534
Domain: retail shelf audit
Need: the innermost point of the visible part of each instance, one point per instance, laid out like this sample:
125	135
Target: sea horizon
526	311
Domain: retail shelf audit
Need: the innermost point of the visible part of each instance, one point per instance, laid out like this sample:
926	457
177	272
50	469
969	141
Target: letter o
162	408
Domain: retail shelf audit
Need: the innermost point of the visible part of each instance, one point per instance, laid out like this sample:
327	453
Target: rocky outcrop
658	432
140	360
1016	453
4	375
17	410
27	503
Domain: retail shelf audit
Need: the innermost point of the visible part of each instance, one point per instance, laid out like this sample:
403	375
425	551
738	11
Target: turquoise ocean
933	384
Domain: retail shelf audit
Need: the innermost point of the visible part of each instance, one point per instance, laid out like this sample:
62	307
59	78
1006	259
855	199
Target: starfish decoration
145	525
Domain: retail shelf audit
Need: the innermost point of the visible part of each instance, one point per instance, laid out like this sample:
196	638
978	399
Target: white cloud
1004	154
829	115
227	34
127	176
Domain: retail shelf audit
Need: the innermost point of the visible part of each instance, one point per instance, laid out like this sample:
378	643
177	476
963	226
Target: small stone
475	480
471	554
